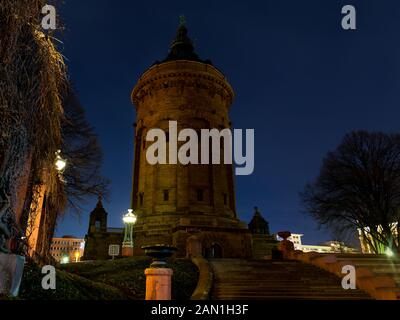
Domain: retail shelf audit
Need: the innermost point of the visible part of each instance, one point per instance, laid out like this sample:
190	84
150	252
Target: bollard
158	284
158	276
127	251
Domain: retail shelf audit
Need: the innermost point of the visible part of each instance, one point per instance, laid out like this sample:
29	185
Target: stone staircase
378	275
236	279
378	264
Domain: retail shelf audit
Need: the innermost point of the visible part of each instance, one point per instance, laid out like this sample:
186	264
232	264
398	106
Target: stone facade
67	249
174	202
100	237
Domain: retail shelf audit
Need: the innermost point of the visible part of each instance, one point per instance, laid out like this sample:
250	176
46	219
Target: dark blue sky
302	82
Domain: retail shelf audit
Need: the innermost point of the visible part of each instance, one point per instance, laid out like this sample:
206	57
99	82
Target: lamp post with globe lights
60	165
129	221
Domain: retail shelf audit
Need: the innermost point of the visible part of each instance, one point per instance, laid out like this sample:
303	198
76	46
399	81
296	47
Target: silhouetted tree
359	187
83	154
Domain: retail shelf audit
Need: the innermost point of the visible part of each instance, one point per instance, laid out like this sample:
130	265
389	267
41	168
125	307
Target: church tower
176	202
98	219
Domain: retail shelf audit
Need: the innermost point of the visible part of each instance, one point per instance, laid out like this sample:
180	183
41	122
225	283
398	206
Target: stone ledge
380	287
206	276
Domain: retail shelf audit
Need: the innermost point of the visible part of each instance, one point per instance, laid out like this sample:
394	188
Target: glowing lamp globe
130	217
60	163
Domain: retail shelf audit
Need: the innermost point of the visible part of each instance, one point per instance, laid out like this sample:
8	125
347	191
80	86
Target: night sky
302	82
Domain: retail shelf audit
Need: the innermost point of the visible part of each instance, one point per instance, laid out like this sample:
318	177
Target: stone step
218	290
291	297
273	275
262	279
373	259
277	281
296	290
243	295
395	276
277	284
364	256
240	294
379	267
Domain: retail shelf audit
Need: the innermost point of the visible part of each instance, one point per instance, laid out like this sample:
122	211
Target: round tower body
175	201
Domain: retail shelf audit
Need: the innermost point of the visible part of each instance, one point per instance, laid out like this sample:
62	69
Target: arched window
200	195
213	252
141	199
166	195
216	251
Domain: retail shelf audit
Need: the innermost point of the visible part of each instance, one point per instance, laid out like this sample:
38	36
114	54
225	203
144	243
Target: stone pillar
158	284
127	251
285	246
11	269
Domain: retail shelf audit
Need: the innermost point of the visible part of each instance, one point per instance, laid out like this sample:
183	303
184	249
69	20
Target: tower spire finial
182	47
100	200
182	20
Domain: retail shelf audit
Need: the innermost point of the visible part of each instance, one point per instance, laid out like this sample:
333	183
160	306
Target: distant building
326	247
263	242
67	249
99	237
296	239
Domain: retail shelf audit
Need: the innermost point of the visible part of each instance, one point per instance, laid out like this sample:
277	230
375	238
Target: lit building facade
296	239
67	249
327	247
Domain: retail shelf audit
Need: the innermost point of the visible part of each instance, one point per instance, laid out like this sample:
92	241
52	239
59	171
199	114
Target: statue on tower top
182	20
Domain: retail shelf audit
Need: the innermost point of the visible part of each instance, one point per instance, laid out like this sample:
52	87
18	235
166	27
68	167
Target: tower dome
182	47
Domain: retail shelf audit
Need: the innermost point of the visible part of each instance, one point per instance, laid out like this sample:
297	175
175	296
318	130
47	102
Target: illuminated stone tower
177	202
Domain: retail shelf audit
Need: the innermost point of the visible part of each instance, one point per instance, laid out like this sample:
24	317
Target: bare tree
39	115
359	188
82	151
33	79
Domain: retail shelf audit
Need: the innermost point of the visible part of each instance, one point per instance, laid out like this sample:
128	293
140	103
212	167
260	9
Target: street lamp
65	259
60	163
130	217
129	220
